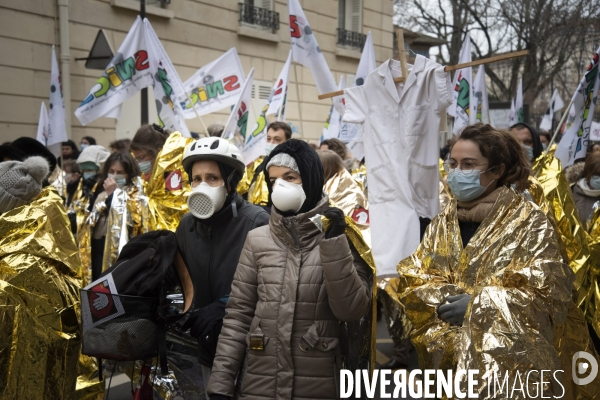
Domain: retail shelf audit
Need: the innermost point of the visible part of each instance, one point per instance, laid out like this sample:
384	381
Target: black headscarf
535	138
311	170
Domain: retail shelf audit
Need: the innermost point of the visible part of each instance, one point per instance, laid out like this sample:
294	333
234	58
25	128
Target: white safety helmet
215	149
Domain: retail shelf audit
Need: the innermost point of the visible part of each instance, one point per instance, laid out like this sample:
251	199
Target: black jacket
211	249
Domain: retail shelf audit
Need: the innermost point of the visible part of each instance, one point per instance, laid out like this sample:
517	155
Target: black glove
218	397
338	222
454	311
203	320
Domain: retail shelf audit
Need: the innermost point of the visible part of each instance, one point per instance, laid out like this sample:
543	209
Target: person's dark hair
591	167
499	147
337	146
72	166
547	135
332	163
127	161
535	138
278	125
149	138
120	145
89	139
73	146
215	130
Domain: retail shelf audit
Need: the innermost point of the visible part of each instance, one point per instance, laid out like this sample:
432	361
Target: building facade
193	32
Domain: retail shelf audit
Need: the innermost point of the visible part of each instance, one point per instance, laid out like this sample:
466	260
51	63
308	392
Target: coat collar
385	72
298	229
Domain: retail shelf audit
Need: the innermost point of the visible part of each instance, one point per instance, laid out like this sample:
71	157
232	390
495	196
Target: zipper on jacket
292	228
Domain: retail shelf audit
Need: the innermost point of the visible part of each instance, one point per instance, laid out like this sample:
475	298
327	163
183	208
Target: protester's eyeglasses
466	166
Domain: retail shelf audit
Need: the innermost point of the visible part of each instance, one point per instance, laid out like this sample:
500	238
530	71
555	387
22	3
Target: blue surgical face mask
145	166
545	146
528	151
595	182
83	146
466	187
120	179
88	175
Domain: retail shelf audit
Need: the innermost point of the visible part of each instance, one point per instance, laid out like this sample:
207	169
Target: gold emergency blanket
39	305
125	220
360	177
592	303
345	193
258	192
244	185
548	171
518	319
168	187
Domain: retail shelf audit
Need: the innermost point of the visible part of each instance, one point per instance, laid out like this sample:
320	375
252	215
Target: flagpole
560	124
299	106
144	91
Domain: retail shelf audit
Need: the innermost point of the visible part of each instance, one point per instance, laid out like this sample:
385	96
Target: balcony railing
351	39
259	16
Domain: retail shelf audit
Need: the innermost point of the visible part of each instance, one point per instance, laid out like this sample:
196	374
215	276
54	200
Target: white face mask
269	147
287	196
206	200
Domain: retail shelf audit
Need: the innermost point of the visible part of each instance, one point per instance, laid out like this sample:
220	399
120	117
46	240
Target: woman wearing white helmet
212	235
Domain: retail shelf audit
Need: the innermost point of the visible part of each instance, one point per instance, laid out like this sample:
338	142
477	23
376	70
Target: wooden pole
299	105
560	124
401	54
448	68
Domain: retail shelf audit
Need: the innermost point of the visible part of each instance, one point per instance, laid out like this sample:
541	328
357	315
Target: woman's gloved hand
203	320
454	311
338	222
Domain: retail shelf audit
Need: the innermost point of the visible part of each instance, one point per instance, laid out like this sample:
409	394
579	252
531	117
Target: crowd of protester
273	287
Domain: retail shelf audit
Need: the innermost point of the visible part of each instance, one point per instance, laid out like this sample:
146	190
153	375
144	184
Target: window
259	14
350	15
350	24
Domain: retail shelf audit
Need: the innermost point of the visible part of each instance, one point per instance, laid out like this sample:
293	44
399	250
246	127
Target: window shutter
354	15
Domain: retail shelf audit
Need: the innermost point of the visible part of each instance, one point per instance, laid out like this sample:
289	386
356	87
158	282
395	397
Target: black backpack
126	312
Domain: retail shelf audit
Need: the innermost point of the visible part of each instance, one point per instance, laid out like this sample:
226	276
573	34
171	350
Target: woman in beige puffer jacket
293	286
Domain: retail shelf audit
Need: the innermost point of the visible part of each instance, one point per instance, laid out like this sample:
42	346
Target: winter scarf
477	210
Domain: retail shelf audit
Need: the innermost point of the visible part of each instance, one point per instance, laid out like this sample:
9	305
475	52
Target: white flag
43	125
306	51
512	114
367	63
480	108
351	134
215	86
332	125
462	84
167	84
57	128
519	111
127	73
575	140
235	129
556	104
257	139
278	97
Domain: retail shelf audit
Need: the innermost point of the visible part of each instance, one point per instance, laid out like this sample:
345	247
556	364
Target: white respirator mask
206	200
287	196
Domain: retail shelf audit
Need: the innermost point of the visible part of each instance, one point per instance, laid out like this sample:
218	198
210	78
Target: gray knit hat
284	160
21	182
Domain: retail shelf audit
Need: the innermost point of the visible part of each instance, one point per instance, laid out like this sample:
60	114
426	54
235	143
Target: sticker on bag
100	302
